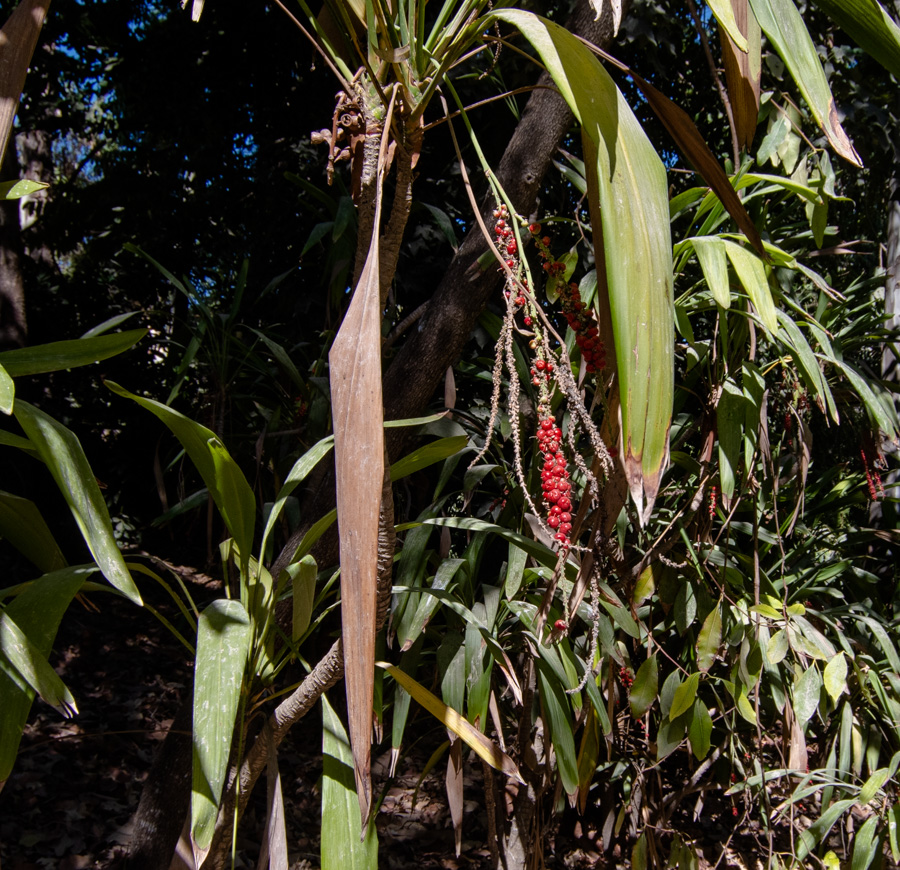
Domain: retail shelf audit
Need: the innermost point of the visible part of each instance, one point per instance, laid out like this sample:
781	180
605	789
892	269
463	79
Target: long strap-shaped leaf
358	412
871	27
783	25
61	451
637	248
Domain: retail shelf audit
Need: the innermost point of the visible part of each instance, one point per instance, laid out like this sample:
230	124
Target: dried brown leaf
17	41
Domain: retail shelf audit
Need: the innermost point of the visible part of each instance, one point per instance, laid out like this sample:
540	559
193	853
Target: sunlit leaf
64	457
20	660
870	26
709	639
743	70
221	474
835	677
37	611
628	180
783	25
684	696
752	274
458	724
303	586
342	847
223	641
806	694
60	355
710	252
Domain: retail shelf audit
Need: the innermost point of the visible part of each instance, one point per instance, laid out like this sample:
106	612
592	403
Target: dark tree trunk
13	326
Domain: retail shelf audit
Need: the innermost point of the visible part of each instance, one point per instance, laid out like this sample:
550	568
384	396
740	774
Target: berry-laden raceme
555	478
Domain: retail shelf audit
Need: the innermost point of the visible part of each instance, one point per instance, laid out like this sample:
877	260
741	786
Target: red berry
560	625
527	322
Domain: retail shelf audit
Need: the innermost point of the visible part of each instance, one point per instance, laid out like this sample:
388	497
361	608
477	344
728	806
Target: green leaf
725	16
710	252
872	784
298	473
875	409
644	689
777	647
7	392
730	410
427	455
806	694
836	677
303	585
870	26
627	180
22	524
700	730
409	631
783	25
684	696
108	324
20	659
62	453
37	611
451	719
709	639
342	845
20	188
752	274
808	365
59	355
220	473
819	829
864	844
223	642
893	820
639	853
515	570
555	704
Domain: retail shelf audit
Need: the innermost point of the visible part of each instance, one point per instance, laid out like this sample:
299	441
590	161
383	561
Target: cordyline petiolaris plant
724	600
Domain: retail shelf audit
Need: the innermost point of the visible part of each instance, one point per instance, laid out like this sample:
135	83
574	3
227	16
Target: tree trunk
13	326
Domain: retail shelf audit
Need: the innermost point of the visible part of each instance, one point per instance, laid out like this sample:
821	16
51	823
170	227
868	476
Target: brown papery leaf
693	146
358	412
743	71
17	41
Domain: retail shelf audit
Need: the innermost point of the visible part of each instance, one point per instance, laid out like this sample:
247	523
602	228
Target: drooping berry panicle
509	250
581	319
873	478
584	325
554	477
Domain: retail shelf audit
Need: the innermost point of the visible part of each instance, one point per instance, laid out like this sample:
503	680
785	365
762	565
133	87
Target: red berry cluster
509	249
873	478
712	500
541	372
583	324
555	478
625	677
580	318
